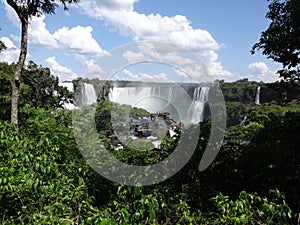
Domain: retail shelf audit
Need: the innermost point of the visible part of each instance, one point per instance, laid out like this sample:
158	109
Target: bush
252	209
37	184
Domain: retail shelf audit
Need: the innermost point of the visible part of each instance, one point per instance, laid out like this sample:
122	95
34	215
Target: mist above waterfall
152	99
173	99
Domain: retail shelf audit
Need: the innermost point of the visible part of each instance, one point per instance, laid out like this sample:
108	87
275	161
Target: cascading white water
244	120
152	99
69	86
88	94
196	109
257	96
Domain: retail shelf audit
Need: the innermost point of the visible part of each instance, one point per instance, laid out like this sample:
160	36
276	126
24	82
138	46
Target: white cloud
8	43
11	53
261	72
37	31
180	72
165	53
92	69
260	68
39	35
63	73
117	4
132	57
78	40
175	30
15	38
11	15
160	77
130	74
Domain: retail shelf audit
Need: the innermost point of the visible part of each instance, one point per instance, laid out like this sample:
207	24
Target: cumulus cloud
117	4
11	14
260	68
260	71
165	53
180	72
39	35
11	53
63	73
78	40
160	77
132	57
130	74
92	69
175	30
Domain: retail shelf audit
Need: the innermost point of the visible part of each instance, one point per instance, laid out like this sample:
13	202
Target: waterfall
257	96
152	99
244	121
88	94
170	94
163	93
69	86
196	109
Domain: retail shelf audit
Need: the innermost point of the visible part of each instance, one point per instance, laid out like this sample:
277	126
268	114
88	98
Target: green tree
2	45
25	10
281	41
42	89
38	88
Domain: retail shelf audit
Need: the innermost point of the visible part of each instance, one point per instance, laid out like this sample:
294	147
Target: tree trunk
16	82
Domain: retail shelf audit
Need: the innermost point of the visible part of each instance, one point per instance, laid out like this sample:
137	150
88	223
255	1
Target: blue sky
74	43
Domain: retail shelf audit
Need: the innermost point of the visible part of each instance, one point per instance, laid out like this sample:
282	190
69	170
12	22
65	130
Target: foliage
45	180
42	88
272	157
239	91
138	112
252	209
5	89
38	88
36	186
134	206
281	41
2	45
25	10
35	8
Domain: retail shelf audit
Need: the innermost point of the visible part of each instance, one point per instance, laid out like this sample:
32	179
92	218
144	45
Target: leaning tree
281	41
25	9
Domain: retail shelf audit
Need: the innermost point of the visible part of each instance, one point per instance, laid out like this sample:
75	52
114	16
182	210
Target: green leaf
103	222
137	190
152	214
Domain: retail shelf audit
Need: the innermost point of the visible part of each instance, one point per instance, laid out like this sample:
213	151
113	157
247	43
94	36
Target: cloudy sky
82	41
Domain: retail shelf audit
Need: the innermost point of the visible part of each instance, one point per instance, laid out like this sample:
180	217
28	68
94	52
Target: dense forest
44	179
